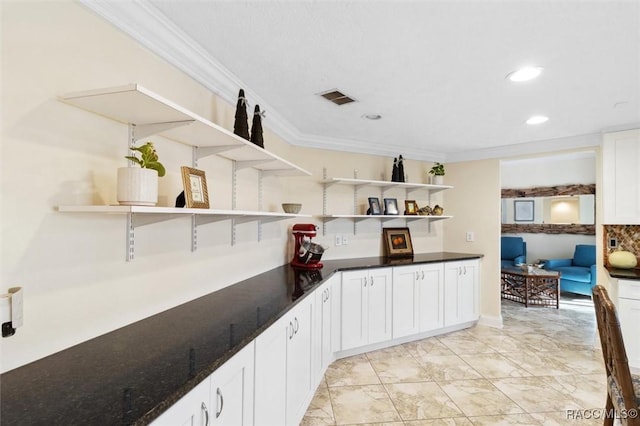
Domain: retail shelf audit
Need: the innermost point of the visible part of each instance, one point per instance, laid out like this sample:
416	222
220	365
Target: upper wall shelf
153	114
385	184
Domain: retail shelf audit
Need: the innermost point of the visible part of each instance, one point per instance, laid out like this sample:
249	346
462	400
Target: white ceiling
434	70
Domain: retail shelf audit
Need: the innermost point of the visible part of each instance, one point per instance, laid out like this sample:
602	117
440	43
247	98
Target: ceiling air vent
337	97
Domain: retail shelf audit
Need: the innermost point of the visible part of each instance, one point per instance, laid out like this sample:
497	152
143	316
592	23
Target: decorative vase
437	179
137	186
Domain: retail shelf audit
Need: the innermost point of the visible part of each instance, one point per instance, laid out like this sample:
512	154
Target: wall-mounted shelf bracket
206	151
144	130
246	164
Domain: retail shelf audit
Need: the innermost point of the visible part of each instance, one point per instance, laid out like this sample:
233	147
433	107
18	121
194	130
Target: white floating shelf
133	104
381	217
385	184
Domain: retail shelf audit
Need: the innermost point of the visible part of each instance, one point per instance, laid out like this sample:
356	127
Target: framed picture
195	188
410	207
523	210
398	242
390	206
374	206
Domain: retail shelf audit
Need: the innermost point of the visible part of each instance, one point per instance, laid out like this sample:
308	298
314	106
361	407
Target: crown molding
529	148
148	26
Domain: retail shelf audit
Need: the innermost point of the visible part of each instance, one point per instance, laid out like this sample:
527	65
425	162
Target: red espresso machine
306	254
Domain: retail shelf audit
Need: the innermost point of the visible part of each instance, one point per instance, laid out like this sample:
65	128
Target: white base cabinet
461	292
418	297
366	307
629	315
273	379
224	398
283	368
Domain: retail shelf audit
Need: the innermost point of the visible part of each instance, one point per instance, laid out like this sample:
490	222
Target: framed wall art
390	206
195	188
523	210
397	242
410	207
374	206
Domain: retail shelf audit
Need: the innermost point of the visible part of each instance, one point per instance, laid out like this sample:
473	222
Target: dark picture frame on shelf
410	207
195	188
374	206
397	242
523	210
390	206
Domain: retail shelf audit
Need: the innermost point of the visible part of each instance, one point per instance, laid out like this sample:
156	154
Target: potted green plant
138	186
437	174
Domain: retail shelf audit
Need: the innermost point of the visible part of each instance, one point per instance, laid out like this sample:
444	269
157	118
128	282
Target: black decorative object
241	124
180	200
400	169
256	127
394	173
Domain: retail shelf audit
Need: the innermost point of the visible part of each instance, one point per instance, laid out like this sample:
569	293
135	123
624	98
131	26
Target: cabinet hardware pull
291	331
465	269
297	325
417	275
206	414
422	275
221	402
371	282
365	281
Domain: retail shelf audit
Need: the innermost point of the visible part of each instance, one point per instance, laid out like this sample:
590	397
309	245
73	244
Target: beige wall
475	204
77	284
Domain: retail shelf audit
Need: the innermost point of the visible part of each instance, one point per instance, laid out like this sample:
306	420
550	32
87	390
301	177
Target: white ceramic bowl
292	208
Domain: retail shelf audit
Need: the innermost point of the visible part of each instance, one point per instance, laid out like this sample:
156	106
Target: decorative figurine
256	127
394	173
400	169
241	124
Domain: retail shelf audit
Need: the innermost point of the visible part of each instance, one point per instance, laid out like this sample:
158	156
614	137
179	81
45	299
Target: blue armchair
513	250
577	275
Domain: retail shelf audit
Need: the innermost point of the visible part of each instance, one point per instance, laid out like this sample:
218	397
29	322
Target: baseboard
491	321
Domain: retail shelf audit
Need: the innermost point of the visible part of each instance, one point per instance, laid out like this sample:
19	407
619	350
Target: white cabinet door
621	177
379	305
322	353
461	292
299	371
193	409
418	298
365	307
406	300
431	297
629	314
354	298
232	390
271	375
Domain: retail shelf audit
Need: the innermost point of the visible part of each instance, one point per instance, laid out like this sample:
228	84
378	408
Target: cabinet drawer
629	289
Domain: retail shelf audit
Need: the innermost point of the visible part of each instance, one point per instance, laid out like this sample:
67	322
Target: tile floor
542	364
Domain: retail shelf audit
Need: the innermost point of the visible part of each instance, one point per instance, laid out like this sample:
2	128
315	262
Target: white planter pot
436	180
137	186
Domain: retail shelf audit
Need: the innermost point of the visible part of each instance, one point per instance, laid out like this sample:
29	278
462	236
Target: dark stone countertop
625	274
132	374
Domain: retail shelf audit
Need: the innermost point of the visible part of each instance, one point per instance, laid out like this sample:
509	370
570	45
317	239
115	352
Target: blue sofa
513	251
577	275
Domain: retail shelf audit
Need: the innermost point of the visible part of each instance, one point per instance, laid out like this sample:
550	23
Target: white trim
491	321
145	24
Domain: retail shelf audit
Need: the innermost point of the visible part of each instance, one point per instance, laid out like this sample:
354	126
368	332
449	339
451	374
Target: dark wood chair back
615	357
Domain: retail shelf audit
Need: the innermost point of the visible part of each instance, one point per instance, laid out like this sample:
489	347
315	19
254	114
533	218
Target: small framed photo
410	207
374	206
523	210
390	206
397	242
195	188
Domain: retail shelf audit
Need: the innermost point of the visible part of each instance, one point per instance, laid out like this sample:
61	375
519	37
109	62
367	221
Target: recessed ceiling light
537	119
372	116
524	74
